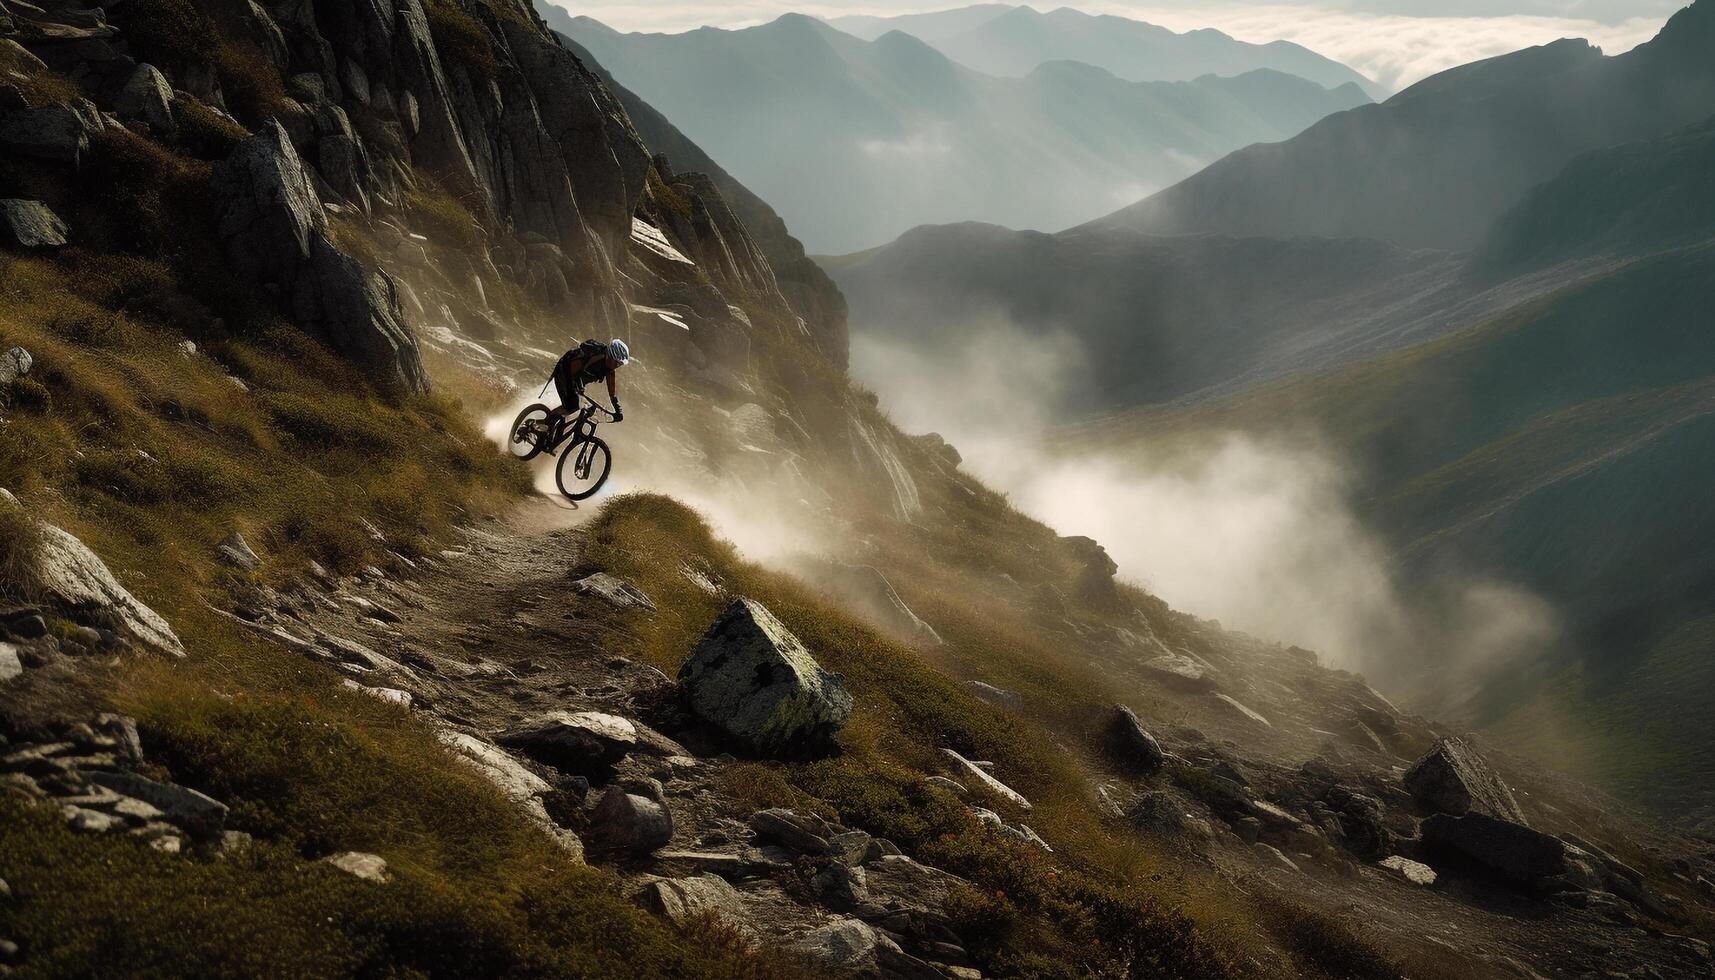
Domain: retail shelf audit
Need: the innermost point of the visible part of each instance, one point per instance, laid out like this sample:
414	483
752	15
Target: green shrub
461	38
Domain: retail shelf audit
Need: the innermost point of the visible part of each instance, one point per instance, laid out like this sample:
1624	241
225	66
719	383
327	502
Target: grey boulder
57	134
29	225
1132	743
1512	851
1454	779
751	678
148	98
235	551
584	743
626	823
853	948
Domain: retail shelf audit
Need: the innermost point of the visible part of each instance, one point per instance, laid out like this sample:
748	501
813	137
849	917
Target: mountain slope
855	141
1432	166
998	39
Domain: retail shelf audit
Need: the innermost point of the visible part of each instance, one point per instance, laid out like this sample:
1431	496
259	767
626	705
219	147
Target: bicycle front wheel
583	468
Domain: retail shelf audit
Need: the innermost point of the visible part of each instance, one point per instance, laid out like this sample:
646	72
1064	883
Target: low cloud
1256	532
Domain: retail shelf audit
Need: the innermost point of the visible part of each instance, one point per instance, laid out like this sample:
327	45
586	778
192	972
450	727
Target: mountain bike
585	460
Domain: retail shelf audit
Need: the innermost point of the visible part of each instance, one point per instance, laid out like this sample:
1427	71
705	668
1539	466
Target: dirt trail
494	632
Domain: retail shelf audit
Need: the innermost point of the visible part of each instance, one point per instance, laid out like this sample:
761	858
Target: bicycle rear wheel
529	435
583	468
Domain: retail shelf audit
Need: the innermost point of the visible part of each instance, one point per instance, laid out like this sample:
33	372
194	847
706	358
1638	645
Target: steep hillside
794	108
298	679
1552	446
1627	199
999	39
1147	319
1434	165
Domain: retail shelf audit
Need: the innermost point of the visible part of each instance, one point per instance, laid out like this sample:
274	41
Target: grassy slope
1107	902
151	453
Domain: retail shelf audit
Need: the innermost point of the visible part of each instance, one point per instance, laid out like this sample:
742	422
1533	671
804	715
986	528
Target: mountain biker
590	361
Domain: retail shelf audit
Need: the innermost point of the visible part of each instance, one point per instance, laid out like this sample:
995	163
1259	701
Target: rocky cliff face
468	111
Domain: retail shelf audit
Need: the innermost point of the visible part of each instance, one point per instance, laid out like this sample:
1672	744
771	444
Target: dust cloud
1257	532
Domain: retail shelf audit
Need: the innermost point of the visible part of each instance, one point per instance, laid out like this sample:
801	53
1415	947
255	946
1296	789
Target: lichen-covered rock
30	225
15	362
753	679
1454	779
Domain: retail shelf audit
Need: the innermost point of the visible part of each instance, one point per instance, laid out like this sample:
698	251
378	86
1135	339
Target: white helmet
618	350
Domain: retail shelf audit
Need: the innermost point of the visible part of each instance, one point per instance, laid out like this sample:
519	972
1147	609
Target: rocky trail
504	643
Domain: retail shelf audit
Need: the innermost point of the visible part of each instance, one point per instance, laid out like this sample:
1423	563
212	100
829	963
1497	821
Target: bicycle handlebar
596	407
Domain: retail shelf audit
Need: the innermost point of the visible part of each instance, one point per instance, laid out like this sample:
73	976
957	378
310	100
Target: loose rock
754	680
369	867
29	225
626	823
1132	743
1454	779
584	743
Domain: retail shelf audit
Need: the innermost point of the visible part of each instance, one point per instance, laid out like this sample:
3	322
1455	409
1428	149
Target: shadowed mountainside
1432	166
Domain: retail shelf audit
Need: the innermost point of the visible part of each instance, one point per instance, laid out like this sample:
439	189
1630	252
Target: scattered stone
1000	697
754	680
841	886
506	773
849	946
1178	670
682	901
1454	779
1360	817
235	551
1274	855
369	867
851	846
881	847
1132	743
1242	710
624	822
1162	813
30	225
10	665
201	816
585	743
800	832
615	590
1413	871
982	777
391	695
90	821
135	811
148	98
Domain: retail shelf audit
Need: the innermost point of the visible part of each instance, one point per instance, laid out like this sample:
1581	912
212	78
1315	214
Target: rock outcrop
274	231
584	743
752	679
1454	779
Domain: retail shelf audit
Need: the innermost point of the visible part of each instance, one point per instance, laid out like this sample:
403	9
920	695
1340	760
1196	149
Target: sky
1395	42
